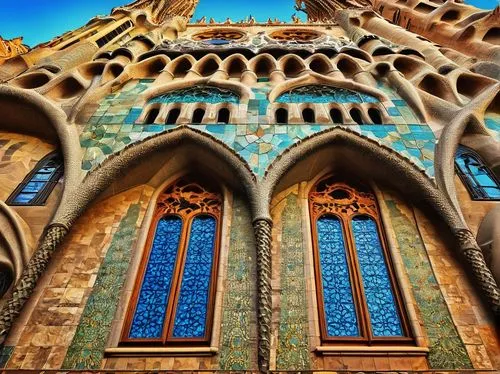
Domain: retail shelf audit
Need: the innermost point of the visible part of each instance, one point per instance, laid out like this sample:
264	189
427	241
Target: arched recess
263	65
30	113
240	89
318	79
331	148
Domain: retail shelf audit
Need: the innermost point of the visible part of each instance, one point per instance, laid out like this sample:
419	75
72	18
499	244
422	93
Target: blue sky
41	20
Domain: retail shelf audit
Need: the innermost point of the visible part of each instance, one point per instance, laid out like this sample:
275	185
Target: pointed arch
121	168
263	65
371	159
235	65
292	65
180	66
320	63
208	65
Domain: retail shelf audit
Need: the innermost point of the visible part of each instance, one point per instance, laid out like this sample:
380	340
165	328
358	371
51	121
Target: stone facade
136	101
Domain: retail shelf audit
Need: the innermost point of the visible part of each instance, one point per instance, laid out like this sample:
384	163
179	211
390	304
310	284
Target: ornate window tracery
358	298
198	94
477	177
173	300
39	183
324	94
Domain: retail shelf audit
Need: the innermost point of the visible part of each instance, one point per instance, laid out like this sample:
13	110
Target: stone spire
161	10
324	10
11	48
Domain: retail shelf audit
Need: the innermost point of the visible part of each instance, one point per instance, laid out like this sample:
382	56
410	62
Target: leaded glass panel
382	307
324	94
153	298
481	182
37	186
340	313
192	306
198	94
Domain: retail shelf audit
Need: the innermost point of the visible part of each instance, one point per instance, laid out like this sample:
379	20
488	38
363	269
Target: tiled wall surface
113	126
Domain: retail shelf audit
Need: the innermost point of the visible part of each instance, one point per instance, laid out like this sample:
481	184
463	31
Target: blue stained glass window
340	313
192	305
153	298
382	307
479	179
324	94
37	186
198	94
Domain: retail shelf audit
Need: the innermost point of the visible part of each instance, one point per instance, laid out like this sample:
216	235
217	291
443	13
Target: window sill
161	351
363	350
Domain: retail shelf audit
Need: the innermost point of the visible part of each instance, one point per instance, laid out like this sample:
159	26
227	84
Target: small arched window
375	115
336	115
356	115
223	116
358	297
477	177
282	116
173	300
173	116
198	115
151	117
308	115
39	183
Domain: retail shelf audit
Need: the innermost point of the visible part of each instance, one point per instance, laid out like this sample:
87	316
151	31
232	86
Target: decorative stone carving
25	286
324	10
262	229
162	10
11	48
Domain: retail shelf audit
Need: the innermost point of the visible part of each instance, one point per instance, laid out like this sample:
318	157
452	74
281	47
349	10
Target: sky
40	20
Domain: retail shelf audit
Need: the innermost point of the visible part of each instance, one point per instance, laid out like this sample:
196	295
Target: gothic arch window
173	300
477	177
359	301
39	183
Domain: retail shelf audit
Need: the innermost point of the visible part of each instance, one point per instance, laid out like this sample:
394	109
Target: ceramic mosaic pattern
5	353
493	124
324	94
293	350
112	127
87	348
198	94
237	340
446	348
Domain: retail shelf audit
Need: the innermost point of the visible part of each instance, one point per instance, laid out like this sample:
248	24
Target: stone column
23	289
480	271
262	230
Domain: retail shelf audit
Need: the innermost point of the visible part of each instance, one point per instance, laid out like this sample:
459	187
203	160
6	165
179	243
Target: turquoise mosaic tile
446	349
87	348
237	348
293	349
198	94
324	94
112	128
493	124
5	354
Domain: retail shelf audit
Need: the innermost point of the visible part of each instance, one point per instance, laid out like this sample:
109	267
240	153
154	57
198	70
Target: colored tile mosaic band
493	124
112	128
293	350
5	353
237	348
87	348
446	348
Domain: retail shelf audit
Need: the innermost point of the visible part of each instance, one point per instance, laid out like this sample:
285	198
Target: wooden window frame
173	297
41	197
465	178
368	208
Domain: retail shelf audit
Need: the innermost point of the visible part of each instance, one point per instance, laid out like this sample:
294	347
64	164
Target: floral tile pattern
447	350
87	348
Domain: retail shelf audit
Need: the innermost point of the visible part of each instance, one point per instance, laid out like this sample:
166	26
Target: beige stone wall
47	324
19	154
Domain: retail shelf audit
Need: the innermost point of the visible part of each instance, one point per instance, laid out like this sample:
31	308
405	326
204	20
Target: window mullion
361	303
177	278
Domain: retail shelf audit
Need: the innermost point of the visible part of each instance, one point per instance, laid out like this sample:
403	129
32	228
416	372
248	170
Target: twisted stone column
26	284
482	274
262	230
